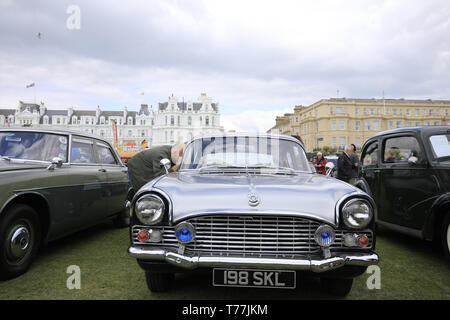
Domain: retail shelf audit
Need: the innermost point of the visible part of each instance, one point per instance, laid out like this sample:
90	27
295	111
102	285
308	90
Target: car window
82	151
370	154
105	155
33	146
440	145
400	149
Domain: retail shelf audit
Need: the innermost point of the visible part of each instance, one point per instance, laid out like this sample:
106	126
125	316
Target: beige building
283	124
340	121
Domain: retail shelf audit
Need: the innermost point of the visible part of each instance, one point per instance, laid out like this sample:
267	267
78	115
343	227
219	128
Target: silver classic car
250	210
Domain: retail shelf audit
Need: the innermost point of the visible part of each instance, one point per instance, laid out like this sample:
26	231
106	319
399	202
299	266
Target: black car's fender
438	209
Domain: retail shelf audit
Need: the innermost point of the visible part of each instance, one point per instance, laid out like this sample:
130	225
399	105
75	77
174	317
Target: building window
58	121
296	119
391	124
446	112
408	124
166	124
417	124
436	123
394	111
365	111
189	121
399	124
341	142
172	120
430	112
333	124
338	110
334	142
130	121
358	143
417	112
179	120
372	111
341	124
102	120
357	111
408	112
357	125
130	133
331	110
367	125
207	120
376	125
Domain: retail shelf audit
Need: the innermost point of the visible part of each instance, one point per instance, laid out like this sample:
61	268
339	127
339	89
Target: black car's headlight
357	213
149	209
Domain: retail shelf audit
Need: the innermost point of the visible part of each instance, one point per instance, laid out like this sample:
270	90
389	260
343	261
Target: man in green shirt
145	166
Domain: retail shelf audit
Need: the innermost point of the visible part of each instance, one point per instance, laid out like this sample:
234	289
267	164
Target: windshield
441	145
245	152
33	146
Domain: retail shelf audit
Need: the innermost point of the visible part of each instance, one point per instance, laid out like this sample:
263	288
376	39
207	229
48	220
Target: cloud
249	55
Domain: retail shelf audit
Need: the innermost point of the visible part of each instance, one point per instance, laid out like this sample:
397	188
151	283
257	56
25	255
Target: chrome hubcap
19	243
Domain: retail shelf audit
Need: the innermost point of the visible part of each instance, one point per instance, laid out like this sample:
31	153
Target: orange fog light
363	241
143	235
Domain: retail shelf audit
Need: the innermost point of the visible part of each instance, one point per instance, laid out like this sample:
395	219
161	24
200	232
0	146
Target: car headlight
149	209
357	213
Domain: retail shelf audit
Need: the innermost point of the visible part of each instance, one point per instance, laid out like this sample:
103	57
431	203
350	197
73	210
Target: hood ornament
253	199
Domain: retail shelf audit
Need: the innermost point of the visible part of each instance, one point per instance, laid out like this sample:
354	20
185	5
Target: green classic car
53	183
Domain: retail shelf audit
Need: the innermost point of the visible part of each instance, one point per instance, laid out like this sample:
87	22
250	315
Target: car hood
6	165
309	195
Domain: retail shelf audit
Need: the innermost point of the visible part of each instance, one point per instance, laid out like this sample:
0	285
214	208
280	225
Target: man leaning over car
145	166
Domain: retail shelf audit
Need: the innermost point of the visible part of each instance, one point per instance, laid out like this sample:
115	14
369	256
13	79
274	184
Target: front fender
436	213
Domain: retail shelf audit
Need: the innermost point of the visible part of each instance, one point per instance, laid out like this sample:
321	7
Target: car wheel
20	237
159	282
337	286
445	235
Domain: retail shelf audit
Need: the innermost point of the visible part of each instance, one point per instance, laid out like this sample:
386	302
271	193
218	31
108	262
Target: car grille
249	235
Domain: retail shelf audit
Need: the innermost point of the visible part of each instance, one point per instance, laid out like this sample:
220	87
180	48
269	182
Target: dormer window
45	119
130	121
74	120
102	120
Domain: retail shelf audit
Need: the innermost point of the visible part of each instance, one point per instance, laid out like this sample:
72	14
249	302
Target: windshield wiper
263	166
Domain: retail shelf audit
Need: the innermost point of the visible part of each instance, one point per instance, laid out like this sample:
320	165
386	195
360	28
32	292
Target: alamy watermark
374	280
74	280
73	22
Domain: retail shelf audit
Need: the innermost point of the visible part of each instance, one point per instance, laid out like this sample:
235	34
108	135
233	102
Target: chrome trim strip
250	212
313	264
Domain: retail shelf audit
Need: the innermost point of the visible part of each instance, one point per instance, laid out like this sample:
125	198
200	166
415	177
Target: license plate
254	278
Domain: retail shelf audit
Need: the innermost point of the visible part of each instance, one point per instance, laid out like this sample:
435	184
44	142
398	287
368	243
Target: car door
117	177
370	168
88	196
404	186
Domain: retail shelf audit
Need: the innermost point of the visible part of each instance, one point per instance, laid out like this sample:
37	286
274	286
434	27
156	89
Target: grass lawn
410	269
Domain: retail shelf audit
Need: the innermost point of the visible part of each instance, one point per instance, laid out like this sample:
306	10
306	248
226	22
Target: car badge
253	200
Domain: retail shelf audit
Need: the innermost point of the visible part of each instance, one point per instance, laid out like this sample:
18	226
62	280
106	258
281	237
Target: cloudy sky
256	58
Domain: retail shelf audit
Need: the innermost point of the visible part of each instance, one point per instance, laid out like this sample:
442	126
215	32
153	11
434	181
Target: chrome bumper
313	264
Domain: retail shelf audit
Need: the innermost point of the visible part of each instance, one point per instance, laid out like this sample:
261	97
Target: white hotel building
173	120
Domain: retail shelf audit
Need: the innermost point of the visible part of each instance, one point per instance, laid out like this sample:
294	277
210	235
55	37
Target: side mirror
329	167
166	163
413	160
56	163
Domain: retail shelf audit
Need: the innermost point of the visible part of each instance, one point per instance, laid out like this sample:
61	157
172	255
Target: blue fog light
184	235
324	235
185	232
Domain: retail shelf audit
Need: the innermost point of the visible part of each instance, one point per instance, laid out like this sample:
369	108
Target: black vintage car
407	172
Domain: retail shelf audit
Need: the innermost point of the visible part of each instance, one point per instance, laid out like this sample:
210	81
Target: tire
19	223
337	287
445	236
159	282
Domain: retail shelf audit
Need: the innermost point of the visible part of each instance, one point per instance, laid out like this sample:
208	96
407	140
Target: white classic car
250	210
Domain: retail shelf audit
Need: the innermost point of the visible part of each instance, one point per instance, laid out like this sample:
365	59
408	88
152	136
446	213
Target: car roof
423	129
72	132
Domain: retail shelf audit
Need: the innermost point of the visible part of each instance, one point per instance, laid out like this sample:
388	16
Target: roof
7	112
78	133
423	129
183	106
